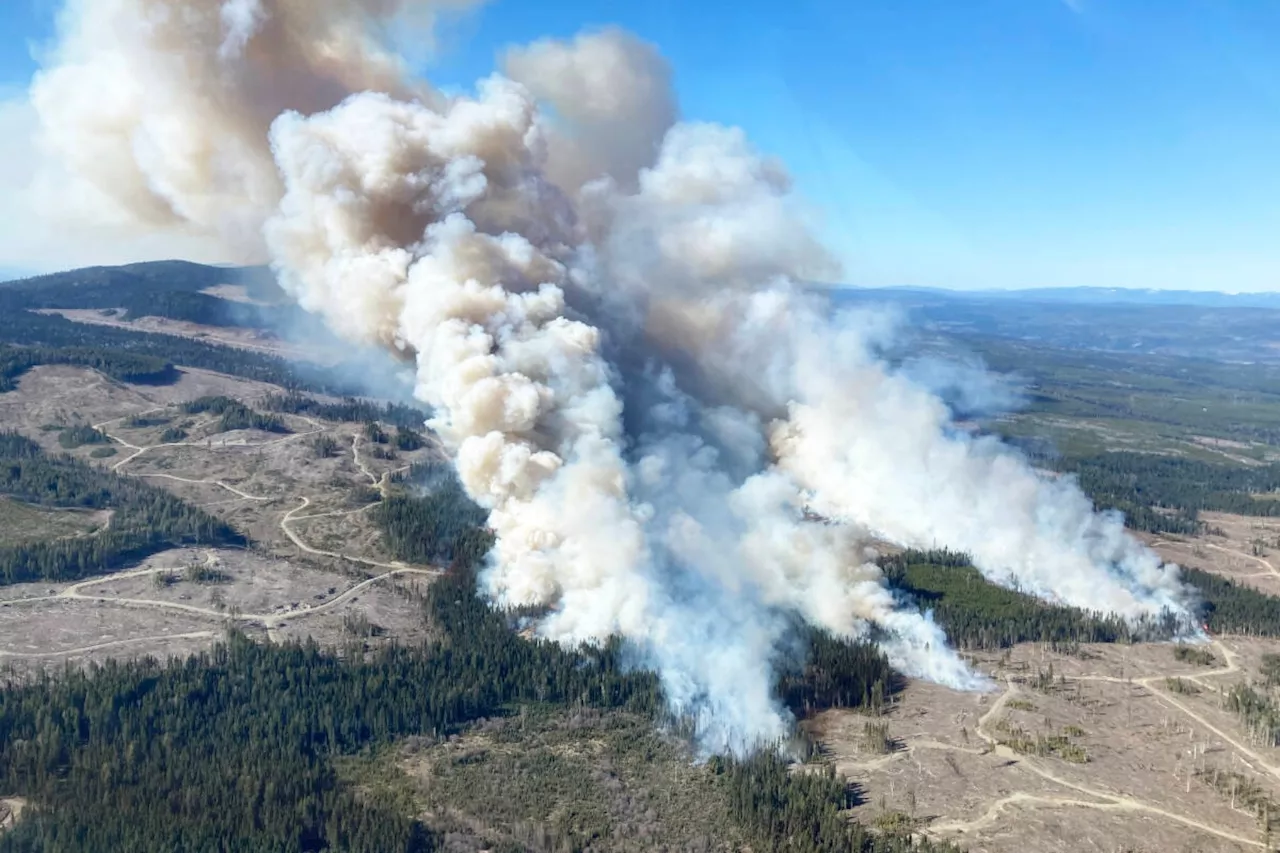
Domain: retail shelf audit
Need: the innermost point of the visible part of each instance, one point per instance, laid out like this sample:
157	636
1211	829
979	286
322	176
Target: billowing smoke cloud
602	306
162	107
612	100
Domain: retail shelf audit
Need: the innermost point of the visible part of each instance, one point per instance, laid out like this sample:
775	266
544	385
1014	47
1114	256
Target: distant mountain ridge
1080	296
1223	327
185	275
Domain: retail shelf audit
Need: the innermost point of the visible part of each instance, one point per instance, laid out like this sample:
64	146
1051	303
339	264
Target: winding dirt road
81	591
1102	800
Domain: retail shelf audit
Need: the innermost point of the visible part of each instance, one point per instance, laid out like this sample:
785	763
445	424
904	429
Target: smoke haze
603	305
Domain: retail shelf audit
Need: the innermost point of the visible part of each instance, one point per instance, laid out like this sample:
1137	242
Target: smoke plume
604	307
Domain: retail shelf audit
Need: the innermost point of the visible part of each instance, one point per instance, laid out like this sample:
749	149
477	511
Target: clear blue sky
987	143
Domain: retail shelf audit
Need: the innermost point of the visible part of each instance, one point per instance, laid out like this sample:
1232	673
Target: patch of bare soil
1112	748
11	812
1240	547
233	293
275	488
51	397
348	532
183	600
258	340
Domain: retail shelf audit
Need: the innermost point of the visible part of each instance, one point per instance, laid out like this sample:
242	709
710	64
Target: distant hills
1233	328
1243	328
1084	296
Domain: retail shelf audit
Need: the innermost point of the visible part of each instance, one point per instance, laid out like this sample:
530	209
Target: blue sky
989	143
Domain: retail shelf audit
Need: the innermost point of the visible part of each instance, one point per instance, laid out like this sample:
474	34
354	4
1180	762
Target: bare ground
1243	548
964	767
317	562
11	811
241	338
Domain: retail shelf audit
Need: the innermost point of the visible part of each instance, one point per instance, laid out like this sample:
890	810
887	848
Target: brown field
1132	775
317	562
166	607
1243	548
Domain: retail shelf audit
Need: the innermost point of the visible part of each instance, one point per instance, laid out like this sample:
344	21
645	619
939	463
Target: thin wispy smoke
601	303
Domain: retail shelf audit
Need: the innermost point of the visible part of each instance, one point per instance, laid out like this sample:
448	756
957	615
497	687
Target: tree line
124	366
234	414
348	409
1230	607
234	748
435	522
801	812
1166	494
975	613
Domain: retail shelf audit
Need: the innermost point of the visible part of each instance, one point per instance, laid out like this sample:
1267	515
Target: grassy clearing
21	522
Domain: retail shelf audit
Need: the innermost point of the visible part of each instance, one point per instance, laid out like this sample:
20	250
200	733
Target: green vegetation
325	445
1242	791
142	756
1270	669
1193	654
103	452
801	812
173	435
125	354
145	421
561	779
239	748
876	738
78	436
235	415
124	366
977	614
350	409
145	519
1233	608
442	526
408	439
1152	402
202	573
1258	711
208	310
1165	494
1043	745
1181	685
836	674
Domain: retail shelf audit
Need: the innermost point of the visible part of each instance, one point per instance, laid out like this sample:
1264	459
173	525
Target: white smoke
162	108
603	307
611	98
